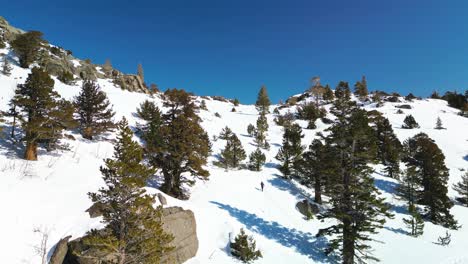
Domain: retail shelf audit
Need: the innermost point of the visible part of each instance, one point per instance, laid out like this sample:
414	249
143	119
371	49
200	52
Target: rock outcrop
307	208
177	221
60	251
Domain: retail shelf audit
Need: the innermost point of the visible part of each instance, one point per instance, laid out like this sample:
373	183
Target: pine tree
133	231
236	102
317	90
355	201
360	88
27	46
244	248
179	146
410	122
424	157
140	72
414	222
462	189
342	91
290	152
263	101
61	118
148	111
251	130
226	133
261	131
257	160
233	154
389	147
36	101
439	124
94	110
6	67
311	113
328	94
313	168
15	114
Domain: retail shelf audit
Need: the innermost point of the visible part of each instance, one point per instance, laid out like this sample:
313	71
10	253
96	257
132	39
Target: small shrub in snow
251	130
445	240
244	248
217	115
410	122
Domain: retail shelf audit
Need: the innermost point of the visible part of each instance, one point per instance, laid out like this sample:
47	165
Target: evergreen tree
290	152
233	154
148	111
27	47
203	105
342	91
244	248
439	124
36	101
140	72
355	202
226	133
328	94
261	131
251	130
317	90
236	102
389	147
311	113
6	67
180	146
424	157
94	110
410	122
61	118
414	222
257	160
313	168
15	114
462	189
360	89
263	101
133	231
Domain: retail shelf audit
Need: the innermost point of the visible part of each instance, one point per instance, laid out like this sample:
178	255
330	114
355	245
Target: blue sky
231	48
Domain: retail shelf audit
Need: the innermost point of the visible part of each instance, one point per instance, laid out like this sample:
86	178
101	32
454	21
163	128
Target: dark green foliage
328	94
226	133
148	111
2	44
37	103
355	201
315	167
236	102
179	147
455	99
409	122
410	97
439	124
263	101
94	110
360	88
27	46
414	222
233	109
427	161
6	67
311	113
284	120
342	91
133	229
233	154
435	95
14	113
61	118
462	189
290	153
257	160
66	77
389	147
261	131
251	130
244	248
276	111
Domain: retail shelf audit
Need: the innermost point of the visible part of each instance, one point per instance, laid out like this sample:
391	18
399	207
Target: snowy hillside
51	194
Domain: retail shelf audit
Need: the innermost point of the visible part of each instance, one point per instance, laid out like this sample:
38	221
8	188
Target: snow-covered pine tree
133	231
462	189
94	110
290	152
257	160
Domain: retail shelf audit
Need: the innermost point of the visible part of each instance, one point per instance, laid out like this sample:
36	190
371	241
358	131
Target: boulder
307	208
60	251
132	83
162	199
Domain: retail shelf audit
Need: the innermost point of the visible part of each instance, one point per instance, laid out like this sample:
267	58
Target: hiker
262	185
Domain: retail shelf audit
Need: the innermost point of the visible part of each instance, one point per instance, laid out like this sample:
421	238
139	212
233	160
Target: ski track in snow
51	194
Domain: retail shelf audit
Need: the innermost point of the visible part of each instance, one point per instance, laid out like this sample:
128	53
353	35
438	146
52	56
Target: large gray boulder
307	208
60	251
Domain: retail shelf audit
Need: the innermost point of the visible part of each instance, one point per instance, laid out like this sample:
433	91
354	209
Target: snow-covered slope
51	194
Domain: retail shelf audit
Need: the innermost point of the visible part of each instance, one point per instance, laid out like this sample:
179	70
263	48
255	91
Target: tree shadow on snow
397	230
386	186
303	242
466	158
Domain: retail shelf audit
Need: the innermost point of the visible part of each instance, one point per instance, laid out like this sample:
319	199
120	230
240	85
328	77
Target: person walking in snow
262	185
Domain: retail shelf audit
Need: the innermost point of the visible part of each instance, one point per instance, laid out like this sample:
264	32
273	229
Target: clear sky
231	48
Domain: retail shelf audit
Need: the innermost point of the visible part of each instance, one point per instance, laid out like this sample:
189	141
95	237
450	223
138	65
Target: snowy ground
50	194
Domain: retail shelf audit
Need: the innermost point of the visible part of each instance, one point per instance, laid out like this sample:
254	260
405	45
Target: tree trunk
31	151
318	190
